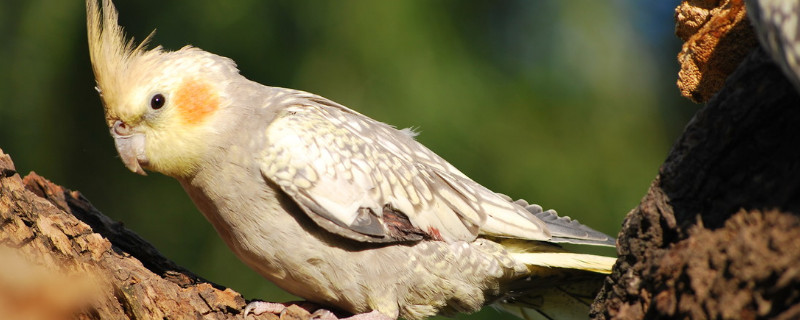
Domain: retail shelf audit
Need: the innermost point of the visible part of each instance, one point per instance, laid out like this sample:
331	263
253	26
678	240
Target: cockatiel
328	204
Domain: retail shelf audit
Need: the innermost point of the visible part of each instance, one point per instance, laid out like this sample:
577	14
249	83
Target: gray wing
367	181
566	230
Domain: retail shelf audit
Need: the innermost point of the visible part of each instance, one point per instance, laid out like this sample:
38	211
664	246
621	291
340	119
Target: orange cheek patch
195	101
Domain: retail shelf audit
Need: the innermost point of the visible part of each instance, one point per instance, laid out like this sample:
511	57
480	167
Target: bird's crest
113	56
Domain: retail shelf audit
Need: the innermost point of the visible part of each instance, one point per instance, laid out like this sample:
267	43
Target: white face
162	107
159	114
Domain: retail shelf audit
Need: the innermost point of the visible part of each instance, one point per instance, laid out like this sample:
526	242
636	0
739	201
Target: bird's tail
561	284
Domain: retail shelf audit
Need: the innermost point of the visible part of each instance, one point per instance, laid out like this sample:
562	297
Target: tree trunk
718	233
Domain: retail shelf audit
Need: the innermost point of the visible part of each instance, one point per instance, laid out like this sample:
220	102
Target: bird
330	205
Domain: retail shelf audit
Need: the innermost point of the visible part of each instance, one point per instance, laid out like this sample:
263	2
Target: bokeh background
569	104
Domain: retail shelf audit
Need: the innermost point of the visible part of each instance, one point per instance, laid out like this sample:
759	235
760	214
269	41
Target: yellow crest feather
111	54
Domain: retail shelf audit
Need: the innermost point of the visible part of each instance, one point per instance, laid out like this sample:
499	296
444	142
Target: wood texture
717	234
62	258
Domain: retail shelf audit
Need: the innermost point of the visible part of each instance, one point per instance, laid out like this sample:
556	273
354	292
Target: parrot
332	206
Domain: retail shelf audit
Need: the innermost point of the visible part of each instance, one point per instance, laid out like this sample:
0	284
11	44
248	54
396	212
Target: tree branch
62	247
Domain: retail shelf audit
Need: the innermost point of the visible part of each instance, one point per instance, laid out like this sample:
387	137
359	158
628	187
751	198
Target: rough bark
61	258
717	36
718	233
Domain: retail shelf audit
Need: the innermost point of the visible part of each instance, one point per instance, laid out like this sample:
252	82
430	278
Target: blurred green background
569	104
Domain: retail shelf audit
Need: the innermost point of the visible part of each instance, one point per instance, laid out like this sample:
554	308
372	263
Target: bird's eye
157	101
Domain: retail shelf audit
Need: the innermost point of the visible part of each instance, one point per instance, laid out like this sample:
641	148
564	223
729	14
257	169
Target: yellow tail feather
567	260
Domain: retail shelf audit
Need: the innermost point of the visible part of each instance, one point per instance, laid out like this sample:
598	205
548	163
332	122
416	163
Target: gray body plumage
310	255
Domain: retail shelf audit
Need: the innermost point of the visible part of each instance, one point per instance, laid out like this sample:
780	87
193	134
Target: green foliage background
569	104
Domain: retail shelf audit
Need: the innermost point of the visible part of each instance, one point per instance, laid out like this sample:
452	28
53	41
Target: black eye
157	101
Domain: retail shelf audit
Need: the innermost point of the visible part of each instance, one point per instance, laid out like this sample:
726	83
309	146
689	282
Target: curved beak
130	147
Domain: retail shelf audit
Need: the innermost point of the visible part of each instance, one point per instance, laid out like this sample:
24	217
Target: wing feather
342	167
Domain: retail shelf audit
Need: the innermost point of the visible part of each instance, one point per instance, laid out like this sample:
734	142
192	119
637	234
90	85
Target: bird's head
161	107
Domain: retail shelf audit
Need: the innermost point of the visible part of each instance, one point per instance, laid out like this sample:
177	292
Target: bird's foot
317	312
280	309
322	314
259	307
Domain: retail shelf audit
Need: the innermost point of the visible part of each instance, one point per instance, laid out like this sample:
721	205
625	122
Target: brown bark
61	258
717	36
718	233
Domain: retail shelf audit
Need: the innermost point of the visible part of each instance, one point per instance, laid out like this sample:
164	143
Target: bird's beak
130	147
